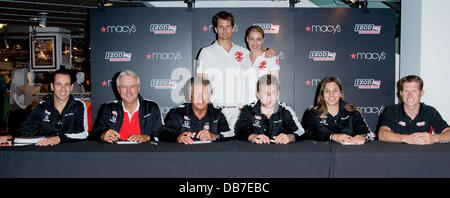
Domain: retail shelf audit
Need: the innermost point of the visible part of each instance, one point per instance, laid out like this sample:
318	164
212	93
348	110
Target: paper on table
20	144
202	142
28	140
126	142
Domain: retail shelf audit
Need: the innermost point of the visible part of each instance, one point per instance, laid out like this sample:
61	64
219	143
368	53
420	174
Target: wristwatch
366	137
217	137
292	137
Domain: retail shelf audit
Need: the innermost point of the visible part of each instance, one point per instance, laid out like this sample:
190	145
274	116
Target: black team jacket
345	122
182	118
252	121
111	116
70	125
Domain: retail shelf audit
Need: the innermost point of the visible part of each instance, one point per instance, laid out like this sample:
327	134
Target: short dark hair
267	80
408	79
63	72
224	16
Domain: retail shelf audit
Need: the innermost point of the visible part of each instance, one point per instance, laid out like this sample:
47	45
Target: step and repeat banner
161	44
156	43
357	48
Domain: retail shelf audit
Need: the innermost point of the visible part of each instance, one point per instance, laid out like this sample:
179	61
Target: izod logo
367	28
367	83
163	83
322	55
163	29
269	28
118	56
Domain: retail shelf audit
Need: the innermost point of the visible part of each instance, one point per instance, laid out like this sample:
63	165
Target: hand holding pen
6	140
186	137
259	139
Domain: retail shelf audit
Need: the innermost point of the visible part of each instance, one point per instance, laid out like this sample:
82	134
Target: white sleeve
201	62
274	63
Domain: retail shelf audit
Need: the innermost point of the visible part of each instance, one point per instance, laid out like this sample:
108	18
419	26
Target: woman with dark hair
334	119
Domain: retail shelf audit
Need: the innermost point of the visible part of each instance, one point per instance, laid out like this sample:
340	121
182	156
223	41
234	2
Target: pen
4	139
189	135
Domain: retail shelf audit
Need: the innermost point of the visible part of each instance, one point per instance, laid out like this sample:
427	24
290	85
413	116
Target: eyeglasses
59	124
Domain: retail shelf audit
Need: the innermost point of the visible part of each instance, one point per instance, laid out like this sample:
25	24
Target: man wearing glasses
131	118
59	117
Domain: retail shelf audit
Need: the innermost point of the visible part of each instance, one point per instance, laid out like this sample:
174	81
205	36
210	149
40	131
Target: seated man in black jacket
196	120
59	117
268	120
131	118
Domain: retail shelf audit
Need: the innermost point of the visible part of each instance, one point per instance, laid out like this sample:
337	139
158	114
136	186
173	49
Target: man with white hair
131	118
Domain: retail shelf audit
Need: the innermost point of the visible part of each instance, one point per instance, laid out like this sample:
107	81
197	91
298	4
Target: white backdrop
427	30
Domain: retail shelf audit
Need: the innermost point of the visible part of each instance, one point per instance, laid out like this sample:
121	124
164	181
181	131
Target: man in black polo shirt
411	121
198	120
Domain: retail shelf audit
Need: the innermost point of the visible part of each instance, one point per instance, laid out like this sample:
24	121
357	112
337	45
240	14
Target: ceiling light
43	19
6	44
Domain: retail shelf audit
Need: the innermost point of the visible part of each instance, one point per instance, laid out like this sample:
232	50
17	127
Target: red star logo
205	28
308	29
262	65
149	56
104	83
308	82
239	56
353	55
103	29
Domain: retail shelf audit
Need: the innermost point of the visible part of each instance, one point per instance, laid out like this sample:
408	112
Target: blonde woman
256	64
